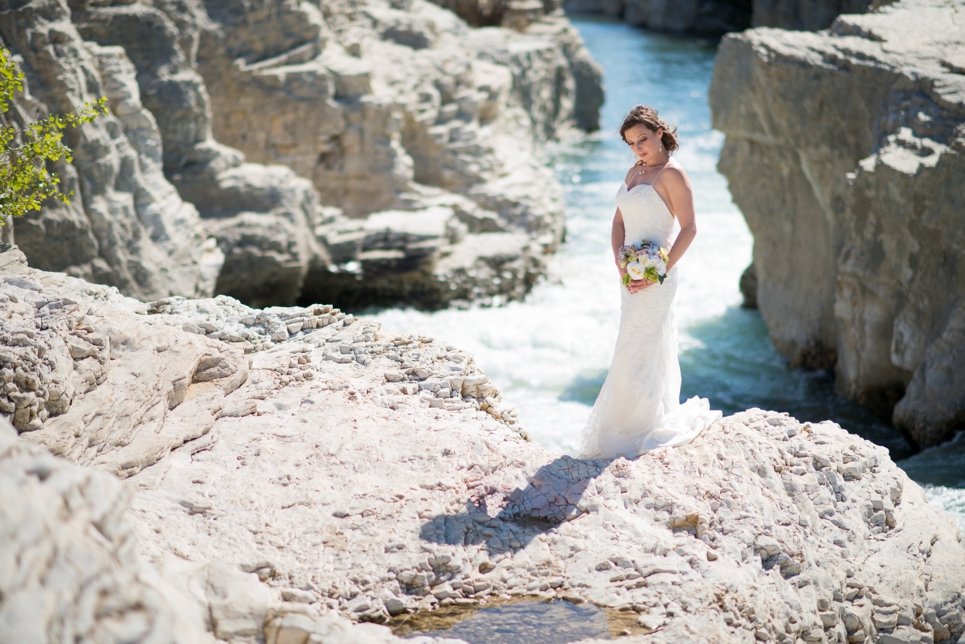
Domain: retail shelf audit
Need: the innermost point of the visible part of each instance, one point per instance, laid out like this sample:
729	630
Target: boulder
843	150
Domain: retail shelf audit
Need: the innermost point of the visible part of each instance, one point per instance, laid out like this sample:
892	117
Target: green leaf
26	181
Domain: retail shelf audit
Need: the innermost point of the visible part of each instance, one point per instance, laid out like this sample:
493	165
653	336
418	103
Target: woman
639	408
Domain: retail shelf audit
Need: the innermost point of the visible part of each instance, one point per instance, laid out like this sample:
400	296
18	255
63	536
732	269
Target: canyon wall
376	152
715	17
844	151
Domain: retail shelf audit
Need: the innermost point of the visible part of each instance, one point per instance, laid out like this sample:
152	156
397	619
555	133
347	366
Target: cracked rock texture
358	152
844	150
337	475
69	565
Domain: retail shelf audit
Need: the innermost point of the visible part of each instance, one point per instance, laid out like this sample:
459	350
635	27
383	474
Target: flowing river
549	354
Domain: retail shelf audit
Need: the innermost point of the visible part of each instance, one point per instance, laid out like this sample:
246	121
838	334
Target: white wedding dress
638	408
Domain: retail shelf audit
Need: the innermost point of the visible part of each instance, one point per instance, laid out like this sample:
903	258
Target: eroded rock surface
65	367
69	566
127	225
844	151
358	475
379	151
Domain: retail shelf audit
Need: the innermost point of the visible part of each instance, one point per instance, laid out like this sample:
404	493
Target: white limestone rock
335	111
69	567
327	487
844	150
127	226
413	114
262	216
137	389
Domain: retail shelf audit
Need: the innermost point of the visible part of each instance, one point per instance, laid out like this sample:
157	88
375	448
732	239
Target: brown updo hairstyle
646	115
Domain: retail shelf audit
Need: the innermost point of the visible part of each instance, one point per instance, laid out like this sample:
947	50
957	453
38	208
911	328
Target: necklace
642	167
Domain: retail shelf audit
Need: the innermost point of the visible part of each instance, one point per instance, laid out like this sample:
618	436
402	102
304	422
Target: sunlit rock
844	152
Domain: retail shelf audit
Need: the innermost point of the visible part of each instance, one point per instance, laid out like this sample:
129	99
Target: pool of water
521	620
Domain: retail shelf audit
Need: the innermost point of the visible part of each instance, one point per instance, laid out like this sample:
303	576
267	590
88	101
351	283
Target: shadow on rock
551	497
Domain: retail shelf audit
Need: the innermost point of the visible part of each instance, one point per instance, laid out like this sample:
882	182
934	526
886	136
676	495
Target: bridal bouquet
643	260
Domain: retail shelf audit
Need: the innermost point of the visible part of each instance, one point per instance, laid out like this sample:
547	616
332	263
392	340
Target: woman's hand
635	286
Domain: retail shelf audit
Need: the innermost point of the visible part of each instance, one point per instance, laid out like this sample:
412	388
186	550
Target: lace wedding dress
638	408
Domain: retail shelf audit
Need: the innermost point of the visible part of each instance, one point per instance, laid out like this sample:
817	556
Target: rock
803	14
414	161
534	17
748	287
333	629
261	216
345	487
719	16
405	153
515	14
72	569
323	135
68	570
127	225
139	388
238	602
865	198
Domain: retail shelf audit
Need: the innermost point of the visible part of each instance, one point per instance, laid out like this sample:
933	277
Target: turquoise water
549	354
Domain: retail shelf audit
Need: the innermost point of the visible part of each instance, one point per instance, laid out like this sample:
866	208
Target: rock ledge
289	471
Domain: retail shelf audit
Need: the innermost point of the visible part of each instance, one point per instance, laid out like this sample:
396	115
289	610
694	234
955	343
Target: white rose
635	270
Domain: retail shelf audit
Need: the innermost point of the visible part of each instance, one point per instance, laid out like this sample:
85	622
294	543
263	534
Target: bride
638	408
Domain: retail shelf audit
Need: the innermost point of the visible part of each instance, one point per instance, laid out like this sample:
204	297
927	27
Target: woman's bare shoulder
675	176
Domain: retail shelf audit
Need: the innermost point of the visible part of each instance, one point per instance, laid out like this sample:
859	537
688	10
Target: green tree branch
26	181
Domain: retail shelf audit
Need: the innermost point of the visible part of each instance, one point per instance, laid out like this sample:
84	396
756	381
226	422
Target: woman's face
645	144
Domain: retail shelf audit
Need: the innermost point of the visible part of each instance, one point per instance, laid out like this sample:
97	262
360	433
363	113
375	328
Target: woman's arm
681	202
617	233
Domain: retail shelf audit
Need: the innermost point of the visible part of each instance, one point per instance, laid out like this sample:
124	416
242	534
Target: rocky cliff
357	152
197	470
721	16
806	14
844	150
